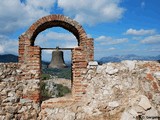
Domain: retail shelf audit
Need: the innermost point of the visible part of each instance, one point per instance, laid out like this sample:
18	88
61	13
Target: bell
57	60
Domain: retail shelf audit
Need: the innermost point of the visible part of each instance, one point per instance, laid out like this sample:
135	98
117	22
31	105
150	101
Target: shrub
62	90
45	76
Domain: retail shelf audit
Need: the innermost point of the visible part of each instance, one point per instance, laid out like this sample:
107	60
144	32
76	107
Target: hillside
8	58
113	58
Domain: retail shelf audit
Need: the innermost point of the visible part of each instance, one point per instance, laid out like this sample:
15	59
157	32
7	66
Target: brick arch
30	55
56	21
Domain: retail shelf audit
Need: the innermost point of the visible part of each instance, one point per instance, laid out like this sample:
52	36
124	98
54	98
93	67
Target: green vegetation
44	92
59	91
62	90
45	76
60	73
51	90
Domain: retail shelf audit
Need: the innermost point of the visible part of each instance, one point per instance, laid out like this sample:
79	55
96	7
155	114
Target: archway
30	55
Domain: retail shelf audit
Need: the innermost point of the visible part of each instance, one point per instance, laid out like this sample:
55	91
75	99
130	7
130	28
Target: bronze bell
57	60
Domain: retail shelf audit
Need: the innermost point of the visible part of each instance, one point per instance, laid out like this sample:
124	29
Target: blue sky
119	27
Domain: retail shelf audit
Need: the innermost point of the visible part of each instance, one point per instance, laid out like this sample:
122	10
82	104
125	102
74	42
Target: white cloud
155	39
15	14
8	45
112	48
92	11
137	38
140	32
52	38
60	36
1	49
105	40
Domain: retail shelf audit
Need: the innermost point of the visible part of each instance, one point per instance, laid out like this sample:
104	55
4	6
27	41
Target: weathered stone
127	116
157	75
69	116
147	86
9	116
111	70
138	109
152	114
2	117
11	94
25	101
10	99
113	104
144	102
129	64
156	98
23	109
2	86
133	112
18	71
100	69
93	63
11	109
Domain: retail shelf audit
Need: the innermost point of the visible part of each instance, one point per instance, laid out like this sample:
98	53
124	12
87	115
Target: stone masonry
18	98
30	55
129	90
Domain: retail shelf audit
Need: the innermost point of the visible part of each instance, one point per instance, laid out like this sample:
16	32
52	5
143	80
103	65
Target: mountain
118	58
114	58
8	58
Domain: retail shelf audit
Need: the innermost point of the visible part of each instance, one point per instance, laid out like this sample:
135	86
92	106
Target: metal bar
56	48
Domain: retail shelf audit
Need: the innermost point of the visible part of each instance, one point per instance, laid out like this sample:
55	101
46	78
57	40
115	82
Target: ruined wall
113	91
17	95
129	90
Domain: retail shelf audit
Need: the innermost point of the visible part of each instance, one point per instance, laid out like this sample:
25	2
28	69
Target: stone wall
129	90
113	91
17	95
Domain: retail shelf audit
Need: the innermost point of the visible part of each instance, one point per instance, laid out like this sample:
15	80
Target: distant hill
115	58
8	58
118	58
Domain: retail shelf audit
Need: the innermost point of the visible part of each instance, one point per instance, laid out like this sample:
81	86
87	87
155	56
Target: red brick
155	86
149	77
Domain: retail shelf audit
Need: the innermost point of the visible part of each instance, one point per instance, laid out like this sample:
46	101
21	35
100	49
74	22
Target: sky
119	27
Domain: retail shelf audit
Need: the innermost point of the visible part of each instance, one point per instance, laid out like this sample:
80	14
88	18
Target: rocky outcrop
116	91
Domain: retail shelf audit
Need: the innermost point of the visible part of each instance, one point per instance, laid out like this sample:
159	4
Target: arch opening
52	24
55	82
30	55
